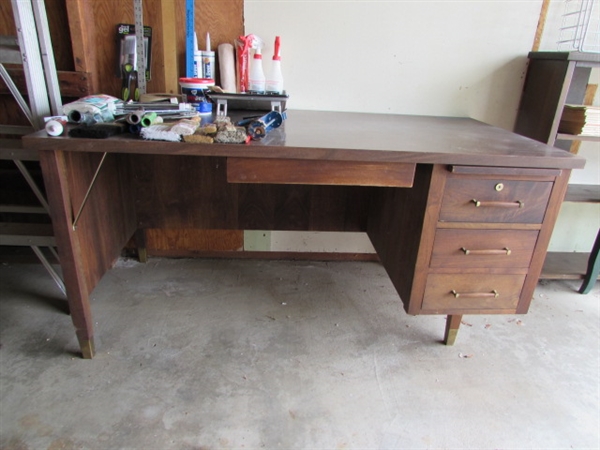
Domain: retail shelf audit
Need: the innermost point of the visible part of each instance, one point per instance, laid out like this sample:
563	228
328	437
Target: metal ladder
33	49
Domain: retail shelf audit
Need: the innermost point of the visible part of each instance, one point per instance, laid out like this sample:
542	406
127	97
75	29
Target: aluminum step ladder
33	49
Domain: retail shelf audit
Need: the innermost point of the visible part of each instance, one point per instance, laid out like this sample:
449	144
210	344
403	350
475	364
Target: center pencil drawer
467	248
495	200
320	172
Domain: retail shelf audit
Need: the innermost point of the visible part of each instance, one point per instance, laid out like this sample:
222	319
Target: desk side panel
107	219
396	227
539	255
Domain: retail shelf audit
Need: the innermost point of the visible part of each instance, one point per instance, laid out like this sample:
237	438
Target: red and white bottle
256	78
274	83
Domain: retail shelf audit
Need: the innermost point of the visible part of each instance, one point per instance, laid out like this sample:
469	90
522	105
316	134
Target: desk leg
55	170
452	326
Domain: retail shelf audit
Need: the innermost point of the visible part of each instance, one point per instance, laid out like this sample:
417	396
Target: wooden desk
460	212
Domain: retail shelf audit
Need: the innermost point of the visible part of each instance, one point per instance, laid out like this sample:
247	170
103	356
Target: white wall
458	58
445	57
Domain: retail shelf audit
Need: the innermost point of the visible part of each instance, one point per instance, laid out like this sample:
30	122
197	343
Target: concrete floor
216	354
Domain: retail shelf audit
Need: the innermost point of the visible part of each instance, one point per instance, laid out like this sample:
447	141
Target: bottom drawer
472	292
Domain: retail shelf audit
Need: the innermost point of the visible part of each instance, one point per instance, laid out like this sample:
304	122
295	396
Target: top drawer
495	200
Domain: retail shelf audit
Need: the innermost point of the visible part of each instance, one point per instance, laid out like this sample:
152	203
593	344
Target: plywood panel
191	239
56	10
83	36
224	21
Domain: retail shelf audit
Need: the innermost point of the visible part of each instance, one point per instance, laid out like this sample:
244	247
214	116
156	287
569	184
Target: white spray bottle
256	78
274	83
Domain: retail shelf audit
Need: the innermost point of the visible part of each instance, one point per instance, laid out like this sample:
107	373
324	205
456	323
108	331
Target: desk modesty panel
459	212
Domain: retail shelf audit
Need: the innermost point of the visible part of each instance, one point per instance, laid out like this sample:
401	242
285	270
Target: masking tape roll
227	67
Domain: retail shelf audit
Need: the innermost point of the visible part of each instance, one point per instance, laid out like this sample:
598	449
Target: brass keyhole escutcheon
499	187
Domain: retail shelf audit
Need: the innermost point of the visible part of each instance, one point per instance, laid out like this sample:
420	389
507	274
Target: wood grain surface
349	173
340	136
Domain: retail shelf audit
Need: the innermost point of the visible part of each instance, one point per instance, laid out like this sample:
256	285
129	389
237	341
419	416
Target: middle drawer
467	248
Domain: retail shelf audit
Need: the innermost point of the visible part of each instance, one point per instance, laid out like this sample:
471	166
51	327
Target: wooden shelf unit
553	80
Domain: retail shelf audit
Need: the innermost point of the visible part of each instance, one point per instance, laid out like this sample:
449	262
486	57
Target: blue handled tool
258	128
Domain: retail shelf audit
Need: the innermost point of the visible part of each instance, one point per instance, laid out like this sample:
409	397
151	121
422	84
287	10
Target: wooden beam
169	46
540	26
81	25
72	84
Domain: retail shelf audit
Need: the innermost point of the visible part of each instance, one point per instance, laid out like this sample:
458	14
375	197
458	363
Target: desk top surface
340	136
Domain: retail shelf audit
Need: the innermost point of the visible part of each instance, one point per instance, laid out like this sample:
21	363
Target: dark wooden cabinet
490	233
553	80
479	238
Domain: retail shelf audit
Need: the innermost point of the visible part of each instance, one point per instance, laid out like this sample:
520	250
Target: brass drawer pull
517	204
504	251
456	294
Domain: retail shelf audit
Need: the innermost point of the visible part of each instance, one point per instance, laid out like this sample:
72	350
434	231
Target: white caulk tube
55	126
197	58
208	61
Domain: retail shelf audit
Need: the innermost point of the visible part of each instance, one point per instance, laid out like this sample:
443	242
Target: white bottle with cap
274	84
197	58
256	79
208	61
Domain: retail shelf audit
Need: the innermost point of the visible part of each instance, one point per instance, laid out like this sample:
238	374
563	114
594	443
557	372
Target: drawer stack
484	239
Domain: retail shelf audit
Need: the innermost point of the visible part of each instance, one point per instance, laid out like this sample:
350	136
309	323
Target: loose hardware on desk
173	117
102	116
